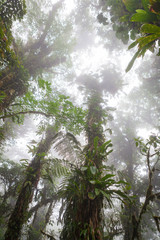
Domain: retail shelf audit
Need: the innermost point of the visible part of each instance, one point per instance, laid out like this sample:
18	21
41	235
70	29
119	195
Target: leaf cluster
99	151
49	103
153	143
89	182
132	17
148	16
151	34
9	12
119	12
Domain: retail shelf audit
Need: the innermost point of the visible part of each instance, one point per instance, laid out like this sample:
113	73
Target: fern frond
70	148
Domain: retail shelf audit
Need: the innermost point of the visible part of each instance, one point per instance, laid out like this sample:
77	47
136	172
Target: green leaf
130	5
93	170
110	182
130	65
109	152
145	48
108	197
155	144
143	17
27	183
107	176
24	160
41	83
140	11
43	154
48	177
147	39
122	182
91	195
144	150
132	45
150	28
2	96
97	191
121	194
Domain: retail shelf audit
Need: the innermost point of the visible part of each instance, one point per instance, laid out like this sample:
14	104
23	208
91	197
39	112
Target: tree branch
44	202
37	44
26	112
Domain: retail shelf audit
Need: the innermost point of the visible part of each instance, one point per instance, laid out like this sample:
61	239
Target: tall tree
40	53
19	214
90	183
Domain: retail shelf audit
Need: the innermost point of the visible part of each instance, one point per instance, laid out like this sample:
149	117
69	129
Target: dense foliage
131	18
91	167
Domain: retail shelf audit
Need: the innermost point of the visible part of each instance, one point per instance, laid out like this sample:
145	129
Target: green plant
148	16
84	189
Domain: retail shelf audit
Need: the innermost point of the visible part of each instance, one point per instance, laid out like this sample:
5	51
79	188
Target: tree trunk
20	213
131	211
83	215
41	218
91	214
